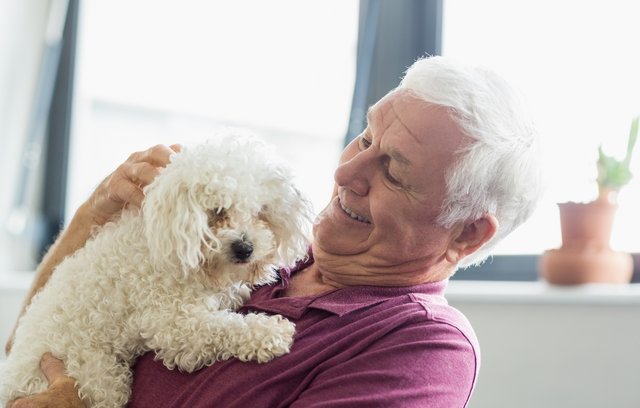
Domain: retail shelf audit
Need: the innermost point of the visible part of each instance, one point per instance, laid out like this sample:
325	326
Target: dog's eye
217	212
265	218
217	217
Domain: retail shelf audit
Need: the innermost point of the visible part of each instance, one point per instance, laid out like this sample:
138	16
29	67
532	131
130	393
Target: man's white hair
499	171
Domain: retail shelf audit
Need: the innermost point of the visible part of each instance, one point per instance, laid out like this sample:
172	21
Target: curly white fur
167	278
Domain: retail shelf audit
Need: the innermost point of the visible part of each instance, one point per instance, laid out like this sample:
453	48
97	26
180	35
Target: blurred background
84	83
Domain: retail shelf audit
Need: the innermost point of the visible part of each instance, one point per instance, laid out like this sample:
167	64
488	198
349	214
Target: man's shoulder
437	311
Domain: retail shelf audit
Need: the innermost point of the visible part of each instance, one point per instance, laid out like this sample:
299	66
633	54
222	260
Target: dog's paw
271	336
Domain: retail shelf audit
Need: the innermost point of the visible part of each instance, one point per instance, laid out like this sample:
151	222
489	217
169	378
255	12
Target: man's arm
121	188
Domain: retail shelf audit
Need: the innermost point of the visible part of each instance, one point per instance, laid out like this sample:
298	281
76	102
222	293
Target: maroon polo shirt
360	346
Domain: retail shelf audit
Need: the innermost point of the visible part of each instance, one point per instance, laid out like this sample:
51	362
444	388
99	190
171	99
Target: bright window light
152	72
578	65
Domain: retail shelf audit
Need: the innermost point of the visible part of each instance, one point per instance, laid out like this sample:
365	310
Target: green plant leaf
614	174
633	137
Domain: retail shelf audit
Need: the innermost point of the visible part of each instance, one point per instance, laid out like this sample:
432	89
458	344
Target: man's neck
308	282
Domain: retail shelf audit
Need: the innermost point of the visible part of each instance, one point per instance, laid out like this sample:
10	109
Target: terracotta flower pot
585	255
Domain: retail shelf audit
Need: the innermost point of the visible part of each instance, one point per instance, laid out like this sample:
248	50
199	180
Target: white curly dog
168	277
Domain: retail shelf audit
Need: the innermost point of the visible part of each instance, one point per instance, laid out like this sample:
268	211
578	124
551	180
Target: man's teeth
354	215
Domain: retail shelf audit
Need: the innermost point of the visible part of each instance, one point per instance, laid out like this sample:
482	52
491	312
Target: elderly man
446	167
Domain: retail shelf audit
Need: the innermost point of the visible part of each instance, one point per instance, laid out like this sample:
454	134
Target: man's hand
124	186
61	392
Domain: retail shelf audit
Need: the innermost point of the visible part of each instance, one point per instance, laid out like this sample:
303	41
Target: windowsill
542	292
471	291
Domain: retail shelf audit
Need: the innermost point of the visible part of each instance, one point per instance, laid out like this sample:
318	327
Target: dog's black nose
242	250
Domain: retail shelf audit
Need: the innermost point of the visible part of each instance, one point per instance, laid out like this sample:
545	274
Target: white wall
551	347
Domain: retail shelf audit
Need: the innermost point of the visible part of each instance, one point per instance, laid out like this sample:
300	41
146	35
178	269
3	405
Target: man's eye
364	142
392	179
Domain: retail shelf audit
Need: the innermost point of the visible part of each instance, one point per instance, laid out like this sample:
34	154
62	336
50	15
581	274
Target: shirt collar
349	299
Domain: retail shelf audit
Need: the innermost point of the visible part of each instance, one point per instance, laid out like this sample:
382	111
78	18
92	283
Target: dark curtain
58	134
392	34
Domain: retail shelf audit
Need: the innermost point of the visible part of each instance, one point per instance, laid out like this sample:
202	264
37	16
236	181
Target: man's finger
141	174
158	156
51	367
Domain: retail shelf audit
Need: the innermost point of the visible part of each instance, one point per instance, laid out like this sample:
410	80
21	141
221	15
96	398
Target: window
153	72
577	64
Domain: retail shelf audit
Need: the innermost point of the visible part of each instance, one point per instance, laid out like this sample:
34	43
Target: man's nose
355	173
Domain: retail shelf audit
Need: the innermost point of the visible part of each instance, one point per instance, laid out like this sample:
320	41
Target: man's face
389	189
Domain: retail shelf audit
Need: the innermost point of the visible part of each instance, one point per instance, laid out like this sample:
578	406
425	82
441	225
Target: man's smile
353	214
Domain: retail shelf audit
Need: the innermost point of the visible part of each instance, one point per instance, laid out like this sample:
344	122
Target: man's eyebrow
399	157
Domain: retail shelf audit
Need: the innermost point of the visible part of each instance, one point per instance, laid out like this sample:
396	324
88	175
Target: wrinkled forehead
431	126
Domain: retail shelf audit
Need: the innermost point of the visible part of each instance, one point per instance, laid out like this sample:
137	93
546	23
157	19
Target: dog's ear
289	216
176	224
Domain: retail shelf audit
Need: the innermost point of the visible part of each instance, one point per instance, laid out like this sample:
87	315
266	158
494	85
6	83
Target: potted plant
585	255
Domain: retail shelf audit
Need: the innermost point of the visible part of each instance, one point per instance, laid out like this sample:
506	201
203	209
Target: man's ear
469	237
